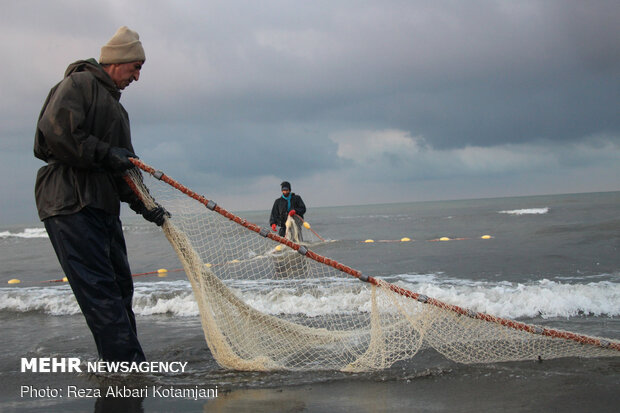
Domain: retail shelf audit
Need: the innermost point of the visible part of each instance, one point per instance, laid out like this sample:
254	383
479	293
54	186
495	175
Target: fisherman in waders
289	204
83	136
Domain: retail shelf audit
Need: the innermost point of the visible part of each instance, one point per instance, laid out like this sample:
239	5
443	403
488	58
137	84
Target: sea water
551	260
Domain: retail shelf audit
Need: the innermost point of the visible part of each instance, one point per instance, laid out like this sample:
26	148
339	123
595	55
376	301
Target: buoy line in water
407	239
162	272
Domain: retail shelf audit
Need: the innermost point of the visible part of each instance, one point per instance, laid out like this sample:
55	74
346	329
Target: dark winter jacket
80	120
280	210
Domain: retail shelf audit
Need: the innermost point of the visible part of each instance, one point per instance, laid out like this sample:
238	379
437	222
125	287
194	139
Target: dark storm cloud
459	73
238	95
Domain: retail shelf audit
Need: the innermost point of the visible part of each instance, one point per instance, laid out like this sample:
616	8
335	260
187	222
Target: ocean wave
42	233
50	300
26	233
543	298
174	297
527	211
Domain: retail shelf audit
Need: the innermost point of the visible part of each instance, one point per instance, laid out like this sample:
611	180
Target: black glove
156	215
117	159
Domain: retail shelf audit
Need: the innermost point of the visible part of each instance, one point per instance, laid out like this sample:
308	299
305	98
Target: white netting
235	272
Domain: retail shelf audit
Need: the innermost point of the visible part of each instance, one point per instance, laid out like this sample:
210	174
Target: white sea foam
26	233
527	211
168	297
57	300
173	298
544	298
42	233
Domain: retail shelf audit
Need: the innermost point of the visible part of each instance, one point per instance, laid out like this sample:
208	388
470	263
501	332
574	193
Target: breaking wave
527	211
543	298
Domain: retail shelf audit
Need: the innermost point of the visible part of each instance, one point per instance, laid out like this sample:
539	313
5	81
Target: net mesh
236	272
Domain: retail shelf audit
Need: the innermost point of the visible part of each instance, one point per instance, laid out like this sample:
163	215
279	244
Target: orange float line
355	273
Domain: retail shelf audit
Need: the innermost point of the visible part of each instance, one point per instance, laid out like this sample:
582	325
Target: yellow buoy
65	279
369	241
162	272
486	237
306	225
208	265
405	239
279	248
444	239
14	281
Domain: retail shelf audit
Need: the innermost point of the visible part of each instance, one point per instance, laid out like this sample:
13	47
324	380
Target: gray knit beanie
123	47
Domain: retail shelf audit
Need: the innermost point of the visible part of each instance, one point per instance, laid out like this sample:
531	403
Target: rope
307	225
583	339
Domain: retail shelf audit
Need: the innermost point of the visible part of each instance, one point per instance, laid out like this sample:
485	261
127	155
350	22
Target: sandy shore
565	386
572	393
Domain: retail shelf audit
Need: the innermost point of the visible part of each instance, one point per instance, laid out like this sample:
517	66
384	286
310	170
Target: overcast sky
354	102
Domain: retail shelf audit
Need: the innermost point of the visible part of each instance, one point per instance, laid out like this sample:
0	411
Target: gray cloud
236	96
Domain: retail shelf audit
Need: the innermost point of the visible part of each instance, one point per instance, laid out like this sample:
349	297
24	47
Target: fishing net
236	269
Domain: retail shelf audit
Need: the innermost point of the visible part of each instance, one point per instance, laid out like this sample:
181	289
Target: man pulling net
288	214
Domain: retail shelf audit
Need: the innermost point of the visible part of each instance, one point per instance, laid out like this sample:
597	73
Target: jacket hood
91	65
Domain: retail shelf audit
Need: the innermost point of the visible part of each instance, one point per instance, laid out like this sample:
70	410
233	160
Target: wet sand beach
570	385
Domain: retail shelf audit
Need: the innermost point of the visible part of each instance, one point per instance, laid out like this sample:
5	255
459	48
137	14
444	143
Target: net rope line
380	329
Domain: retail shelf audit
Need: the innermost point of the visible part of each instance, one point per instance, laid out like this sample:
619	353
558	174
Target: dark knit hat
285	185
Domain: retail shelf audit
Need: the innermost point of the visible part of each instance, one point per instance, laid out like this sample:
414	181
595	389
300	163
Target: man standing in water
83	135
289	204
